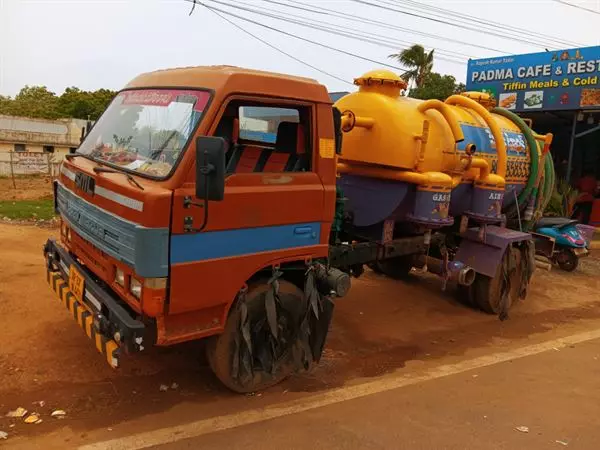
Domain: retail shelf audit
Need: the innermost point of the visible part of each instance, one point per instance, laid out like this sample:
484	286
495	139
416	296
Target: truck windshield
145	131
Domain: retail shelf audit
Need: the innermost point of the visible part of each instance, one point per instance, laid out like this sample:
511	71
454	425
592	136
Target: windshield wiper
70	156
129	177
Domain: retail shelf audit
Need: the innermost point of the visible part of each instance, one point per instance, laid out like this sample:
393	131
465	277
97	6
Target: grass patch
27	209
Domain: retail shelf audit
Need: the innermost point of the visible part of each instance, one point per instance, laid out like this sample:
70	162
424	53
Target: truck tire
220	349
488	293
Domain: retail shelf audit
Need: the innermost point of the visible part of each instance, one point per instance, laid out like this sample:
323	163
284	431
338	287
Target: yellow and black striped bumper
84	317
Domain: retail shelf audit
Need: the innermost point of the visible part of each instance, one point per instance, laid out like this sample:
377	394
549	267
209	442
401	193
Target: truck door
273	209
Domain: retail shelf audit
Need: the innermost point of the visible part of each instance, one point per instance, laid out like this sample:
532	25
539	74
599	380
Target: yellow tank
432	144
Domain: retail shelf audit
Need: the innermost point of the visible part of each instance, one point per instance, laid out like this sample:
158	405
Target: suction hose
549	180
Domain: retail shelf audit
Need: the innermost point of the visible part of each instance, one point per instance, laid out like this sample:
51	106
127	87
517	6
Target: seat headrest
287	137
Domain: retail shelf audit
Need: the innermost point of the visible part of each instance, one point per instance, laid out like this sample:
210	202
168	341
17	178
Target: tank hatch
381	81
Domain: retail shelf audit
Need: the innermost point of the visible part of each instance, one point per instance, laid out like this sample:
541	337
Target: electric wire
333	13
239	27
495	25
383	5
310	41
572	5
376	39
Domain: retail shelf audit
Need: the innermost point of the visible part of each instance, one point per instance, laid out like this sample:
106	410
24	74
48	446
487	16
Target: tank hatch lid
483	98
381	80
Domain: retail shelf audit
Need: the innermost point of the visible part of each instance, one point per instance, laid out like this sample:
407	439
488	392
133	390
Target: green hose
549	181
534	156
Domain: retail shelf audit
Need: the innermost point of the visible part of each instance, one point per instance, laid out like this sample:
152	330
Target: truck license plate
76	283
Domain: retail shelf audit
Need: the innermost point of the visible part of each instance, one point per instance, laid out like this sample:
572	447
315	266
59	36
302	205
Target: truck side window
269	139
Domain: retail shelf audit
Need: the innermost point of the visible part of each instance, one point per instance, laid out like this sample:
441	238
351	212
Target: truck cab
195	207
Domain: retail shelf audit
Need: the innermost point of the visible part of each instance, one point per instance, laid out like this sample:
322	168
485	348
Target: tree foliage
39	102
437	86
418	62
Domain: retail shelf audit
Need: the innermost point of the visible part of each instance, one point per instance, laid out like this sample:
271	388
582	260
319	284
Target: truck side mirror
210	168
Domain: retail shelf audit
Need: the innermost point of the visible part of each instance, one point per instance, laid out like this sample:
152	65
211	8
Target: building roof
230	79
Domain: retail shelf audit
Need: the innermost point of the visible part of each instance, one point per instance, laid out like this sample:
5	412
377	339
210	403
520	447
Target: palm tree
418	61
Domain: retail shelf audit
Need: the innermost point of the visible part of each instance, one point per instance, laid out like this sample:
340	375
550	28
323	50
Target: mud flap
242	367
281	333
527	265
315	324
509	266
485	256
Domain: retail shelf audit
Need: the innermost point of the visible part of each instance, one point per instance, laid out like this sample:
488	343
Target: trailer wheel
490	294
268	362
397	268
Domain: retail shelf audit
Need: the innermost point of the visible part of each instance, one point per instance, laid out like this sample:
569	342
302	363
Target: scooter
568	244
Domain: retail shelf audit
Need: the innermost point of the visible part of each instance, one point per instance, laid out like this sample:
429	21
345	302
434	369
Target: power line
445	22
354	55
461	16
577	6
278	49
375	39
345	16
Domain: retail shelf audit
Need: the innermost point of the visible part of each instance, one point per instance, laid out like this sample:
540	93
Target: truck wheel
567	260
269	362
396	268
490	293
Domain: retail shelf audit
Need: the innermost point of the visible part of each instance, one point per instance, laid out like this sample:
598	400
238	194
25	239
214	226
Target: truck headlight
135	287
66	231
120	277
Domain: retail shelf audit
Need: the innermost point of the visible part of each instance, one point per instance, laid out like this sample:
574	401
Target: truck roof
230	79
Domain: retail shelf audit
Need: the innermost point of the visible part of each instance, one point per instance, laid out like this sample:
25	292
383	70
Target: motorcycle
567	243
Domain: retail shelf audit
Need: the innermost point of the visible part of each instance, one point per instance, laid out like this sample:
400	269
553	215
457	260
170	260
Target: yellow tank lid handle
483	98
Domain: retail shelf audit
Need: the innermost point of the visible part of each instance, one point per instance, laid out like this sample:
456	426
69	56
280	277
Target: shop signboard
553	80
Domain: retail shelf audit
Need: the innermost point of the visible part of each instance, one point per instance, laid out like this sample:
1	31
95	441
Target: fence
28	163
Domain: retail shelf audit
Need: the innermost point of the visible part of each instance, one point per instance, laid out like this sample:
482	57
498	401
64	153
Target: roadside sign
553	80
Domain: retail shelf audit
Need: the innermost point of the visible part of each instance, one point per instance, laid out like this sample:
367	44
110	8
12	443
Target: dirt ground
382	326
27	188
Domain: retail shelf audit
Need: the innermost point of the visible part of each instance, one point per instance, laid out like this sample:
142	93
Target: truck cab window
266	138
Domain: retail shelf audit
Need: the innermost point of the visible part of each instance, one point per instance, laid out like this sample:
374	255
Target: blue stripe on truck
223	244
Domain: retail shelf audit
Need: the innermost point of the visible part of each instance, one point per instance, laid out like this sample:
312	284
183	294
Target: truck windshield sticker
146	130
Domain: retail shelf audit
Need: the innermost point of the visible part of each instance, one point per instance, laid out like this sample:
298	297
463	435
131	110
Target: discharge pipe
466	102
350	120
456	270
445	111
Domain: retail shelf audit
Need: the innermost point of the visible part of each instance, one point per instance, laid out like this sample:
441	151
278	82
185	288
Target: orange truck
209	203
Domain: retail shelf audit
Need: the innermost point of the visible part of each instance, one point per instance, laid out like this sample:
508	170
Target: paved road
555	394
386	341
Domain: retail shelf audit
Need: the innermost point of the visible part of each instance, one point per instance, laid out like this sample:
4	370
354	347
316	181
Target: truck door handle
302	230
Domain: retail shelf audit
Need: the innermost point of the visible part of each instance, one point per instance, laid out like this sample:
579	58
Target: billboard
552	80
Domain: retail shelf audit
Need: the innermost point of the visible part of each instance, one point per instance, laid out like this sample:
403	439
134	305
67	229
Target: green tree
418	62
5	104
75	103
35	101
437	86
38	101
84	104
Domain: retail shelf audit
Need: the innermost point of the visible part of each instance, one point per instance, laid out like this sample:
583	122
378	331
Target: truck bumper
101	314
